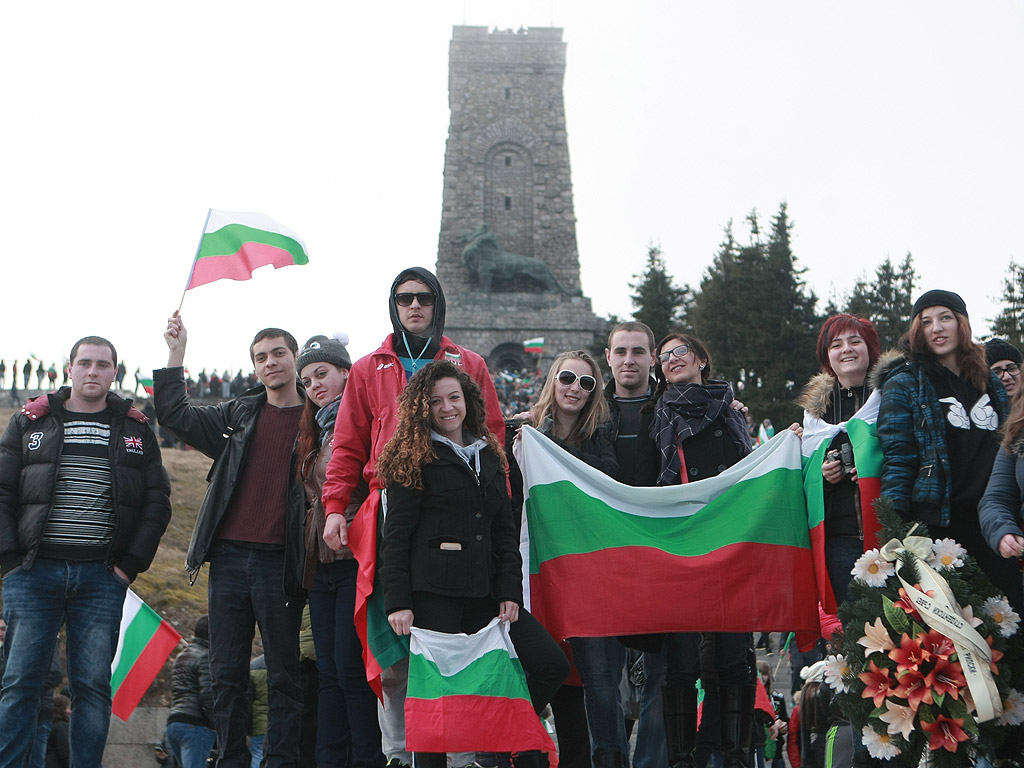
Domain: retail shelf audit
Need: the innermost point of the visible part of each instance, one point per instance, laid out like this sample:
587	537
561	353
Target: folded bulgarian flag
728	554
143	645
235	244
867	456
468	693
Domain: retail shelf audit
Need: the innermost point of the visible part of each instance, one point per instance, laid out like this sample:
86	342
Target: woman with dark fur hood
938	424
847	350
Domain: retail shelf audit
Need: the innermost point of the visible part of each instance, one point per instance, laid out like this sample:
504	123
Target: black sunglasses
568	378
405	299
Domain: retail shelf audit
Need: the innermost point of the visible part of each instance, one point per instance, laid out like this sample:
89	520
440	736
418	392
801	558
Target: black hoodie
402	336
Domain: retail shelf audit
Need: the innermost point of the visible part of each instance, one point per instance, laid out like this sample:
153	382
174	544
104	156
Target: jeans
246	588
651	750
256	750
37	755
347	713
600	662
190	744
87	598
841	552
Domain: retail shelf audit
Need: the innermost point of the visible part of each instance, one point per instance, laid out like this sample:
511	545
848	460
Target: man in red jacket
366	421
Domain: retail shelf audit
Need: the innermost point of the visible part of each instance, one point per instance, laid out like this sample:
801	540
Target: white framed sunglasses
587	382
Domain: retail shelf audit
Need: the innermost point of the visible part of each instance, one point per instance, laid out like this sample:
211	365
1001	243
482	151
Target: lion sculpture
487	261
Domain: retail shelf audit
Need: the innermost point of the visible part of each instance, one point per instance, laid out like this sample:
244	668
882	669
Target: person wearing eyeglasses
1004	360
700	434
366	421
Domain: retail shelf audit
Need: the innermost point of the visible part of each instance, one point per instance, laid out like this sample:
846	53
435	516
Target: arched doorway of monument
511	356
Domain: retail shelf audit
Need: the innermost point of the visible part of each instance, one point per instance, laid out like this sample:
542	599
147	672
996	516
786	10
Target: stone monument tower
507	249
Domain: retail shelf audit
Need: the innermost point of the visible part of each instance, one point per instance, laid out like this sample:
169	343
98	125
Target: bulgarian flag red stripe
534	346
469	693
867	455
235	244
727	554
143	645
381	646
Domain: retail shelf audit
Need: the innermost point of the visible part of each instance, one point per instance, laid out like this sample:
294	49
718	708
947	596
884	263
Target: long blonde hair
594	413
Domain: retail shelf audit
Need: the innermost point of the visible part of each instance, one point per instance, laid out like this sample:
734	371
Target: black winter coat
454	508
222	432
30	457
192	686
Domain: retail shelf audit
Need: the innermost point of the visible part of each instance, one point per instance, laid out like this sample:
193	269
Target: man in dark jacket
190	733
250	529
84	500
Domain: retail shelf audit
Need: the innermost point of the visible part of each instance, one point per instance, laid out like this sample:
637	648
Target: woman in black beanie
938	424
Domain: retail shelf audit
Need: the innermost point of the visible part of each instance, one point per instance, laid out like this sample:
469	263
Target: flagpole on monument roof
195	259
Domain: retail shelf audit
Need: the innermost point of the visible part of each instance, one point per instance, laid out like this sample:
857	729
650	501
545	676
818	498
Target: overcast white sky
887	126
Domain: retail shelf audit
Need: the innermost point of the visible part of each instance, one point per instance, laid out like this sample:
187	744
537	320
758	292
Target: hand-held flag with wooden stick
235	244
143	645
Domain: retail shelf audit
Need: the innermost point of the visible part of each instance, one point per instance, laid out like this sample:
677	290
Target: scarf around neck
686	410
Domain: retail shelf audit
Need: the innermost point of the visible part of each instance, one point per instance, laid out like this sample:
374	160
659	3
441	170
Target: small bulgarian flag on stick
143	645
235	244
534	346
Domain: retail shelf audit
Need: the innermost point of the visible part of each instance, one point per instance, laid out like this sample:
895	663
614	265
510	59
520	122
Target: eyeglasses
1012	370
405	299
568	378
679	351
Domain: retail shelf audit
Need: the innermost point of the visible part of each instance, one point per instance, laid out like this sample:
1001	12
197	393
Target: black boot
680	711
737	708
610	760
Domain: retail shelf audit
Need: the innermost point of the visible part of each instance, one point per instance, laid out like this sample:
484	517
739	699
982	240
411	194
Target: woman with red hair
847	348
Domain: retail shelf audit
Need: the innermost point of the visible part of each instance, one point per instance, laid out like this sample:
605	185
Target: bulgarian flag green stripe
143	645
867	457
731	553
469	693
235	244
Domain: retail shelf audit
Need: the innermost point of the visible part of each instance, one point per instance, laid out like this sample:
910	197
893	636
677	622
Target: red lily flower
914	688
906	604
909	655
996	656
945	733
936	643
877	684
946	677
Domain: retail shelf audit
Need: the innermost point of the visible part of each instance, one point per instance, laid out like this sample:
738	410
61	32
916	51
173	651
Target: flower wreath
930	651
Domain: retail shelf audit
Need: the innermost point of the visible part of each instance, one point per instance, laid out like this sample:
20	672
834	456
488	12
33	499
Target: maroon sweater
257	509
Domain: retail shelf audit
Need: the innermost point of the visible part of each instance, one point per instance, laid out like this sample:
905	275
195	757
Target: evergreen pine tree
1009	324
888	300
657	300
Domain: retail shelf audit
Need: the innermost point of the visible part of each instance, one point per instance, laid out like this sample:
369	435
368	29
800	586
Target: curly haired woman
450	554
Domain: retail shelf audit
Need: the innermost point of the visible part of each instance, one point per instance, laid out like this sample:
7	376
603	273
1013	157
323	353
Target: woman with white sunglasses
572	411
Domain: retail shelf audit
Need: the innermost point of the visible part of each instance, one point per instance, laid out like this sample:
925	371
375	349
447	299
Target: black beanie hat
321	349
1000	349
202	629
939	298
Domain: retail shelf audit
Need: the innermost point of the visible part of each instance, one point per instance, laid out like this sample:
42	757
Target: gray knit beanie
323	349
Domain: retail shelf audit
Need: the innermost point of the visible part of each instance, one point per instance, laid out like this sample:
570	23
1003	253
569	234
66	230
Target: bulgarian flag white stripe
469	693
143	645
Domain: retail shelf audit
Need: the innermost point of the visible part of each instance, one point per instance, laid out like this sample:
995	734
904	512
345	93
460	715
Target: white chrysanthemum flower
836	669
998	609
872	569
880	745
947	554
1013	708
900	719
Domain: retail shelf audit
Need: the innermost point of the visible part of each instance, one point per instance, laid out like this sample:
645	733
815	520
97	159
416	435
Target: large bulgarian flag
235	244
728	554
143	645
468	693
867	456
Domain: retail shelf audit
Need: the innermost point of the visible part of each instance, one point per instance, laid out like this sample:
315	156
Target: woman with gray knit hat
938	424
347	706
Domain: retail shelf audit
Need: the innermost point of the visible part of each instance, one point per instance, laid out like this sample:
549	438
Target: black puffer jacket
454	509
222	432
30	457
192	686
